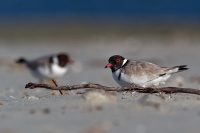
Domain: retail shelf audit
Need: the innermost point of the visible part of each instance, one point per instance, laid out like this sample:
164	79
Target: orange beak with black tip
109	65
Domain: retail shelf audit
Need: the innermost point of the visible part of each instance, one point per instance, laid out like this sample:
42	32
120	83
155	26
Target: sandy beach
24	110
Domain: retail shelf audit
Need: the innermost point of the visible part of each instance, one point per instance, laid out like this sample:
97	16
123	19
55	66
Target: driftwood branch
105	88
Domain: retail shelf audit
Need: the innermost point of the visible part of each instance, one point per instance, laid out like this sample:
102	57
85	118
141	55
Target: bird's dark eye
118	60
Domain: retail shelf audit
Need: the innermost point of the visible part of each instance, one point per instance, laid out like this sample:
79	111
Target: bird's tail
176	69
21	60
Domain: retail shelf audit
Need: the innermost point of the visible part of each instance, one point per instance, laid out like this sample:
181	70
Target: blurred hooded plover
47	67
141	73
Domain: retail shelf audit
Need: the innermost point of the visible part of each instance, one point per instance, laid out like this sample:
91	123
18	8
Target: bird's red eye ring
118	60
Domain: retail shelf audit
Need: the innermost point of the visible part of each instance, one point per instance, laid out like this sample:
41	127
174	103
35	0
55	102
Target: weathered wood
105	88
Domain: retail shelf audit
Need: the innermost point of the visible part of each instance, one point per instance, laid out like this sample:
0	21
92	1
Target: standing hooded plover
47	67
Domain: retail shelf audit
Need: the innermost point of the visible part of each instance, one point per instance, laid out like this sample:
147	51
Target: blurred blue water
128	9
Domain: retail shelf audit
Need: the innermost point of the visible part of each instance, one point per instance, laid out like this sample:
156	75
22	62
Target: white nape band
55	59
124	62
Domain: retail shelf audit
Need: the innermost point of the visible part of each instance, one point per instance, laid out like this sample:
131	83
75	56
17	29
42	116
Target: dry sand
23	110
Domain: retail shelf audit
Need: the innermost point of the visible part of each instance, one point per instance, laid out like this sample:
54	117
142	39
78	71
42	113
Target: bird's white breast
55	71
126	80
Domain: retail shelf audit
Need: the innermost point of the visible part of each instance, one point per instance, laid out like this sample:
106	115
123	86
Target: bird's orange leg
54	82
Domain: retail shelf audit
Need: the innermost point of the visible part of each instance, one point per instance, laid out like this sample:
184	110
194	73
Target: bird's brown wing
143	69
39	62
